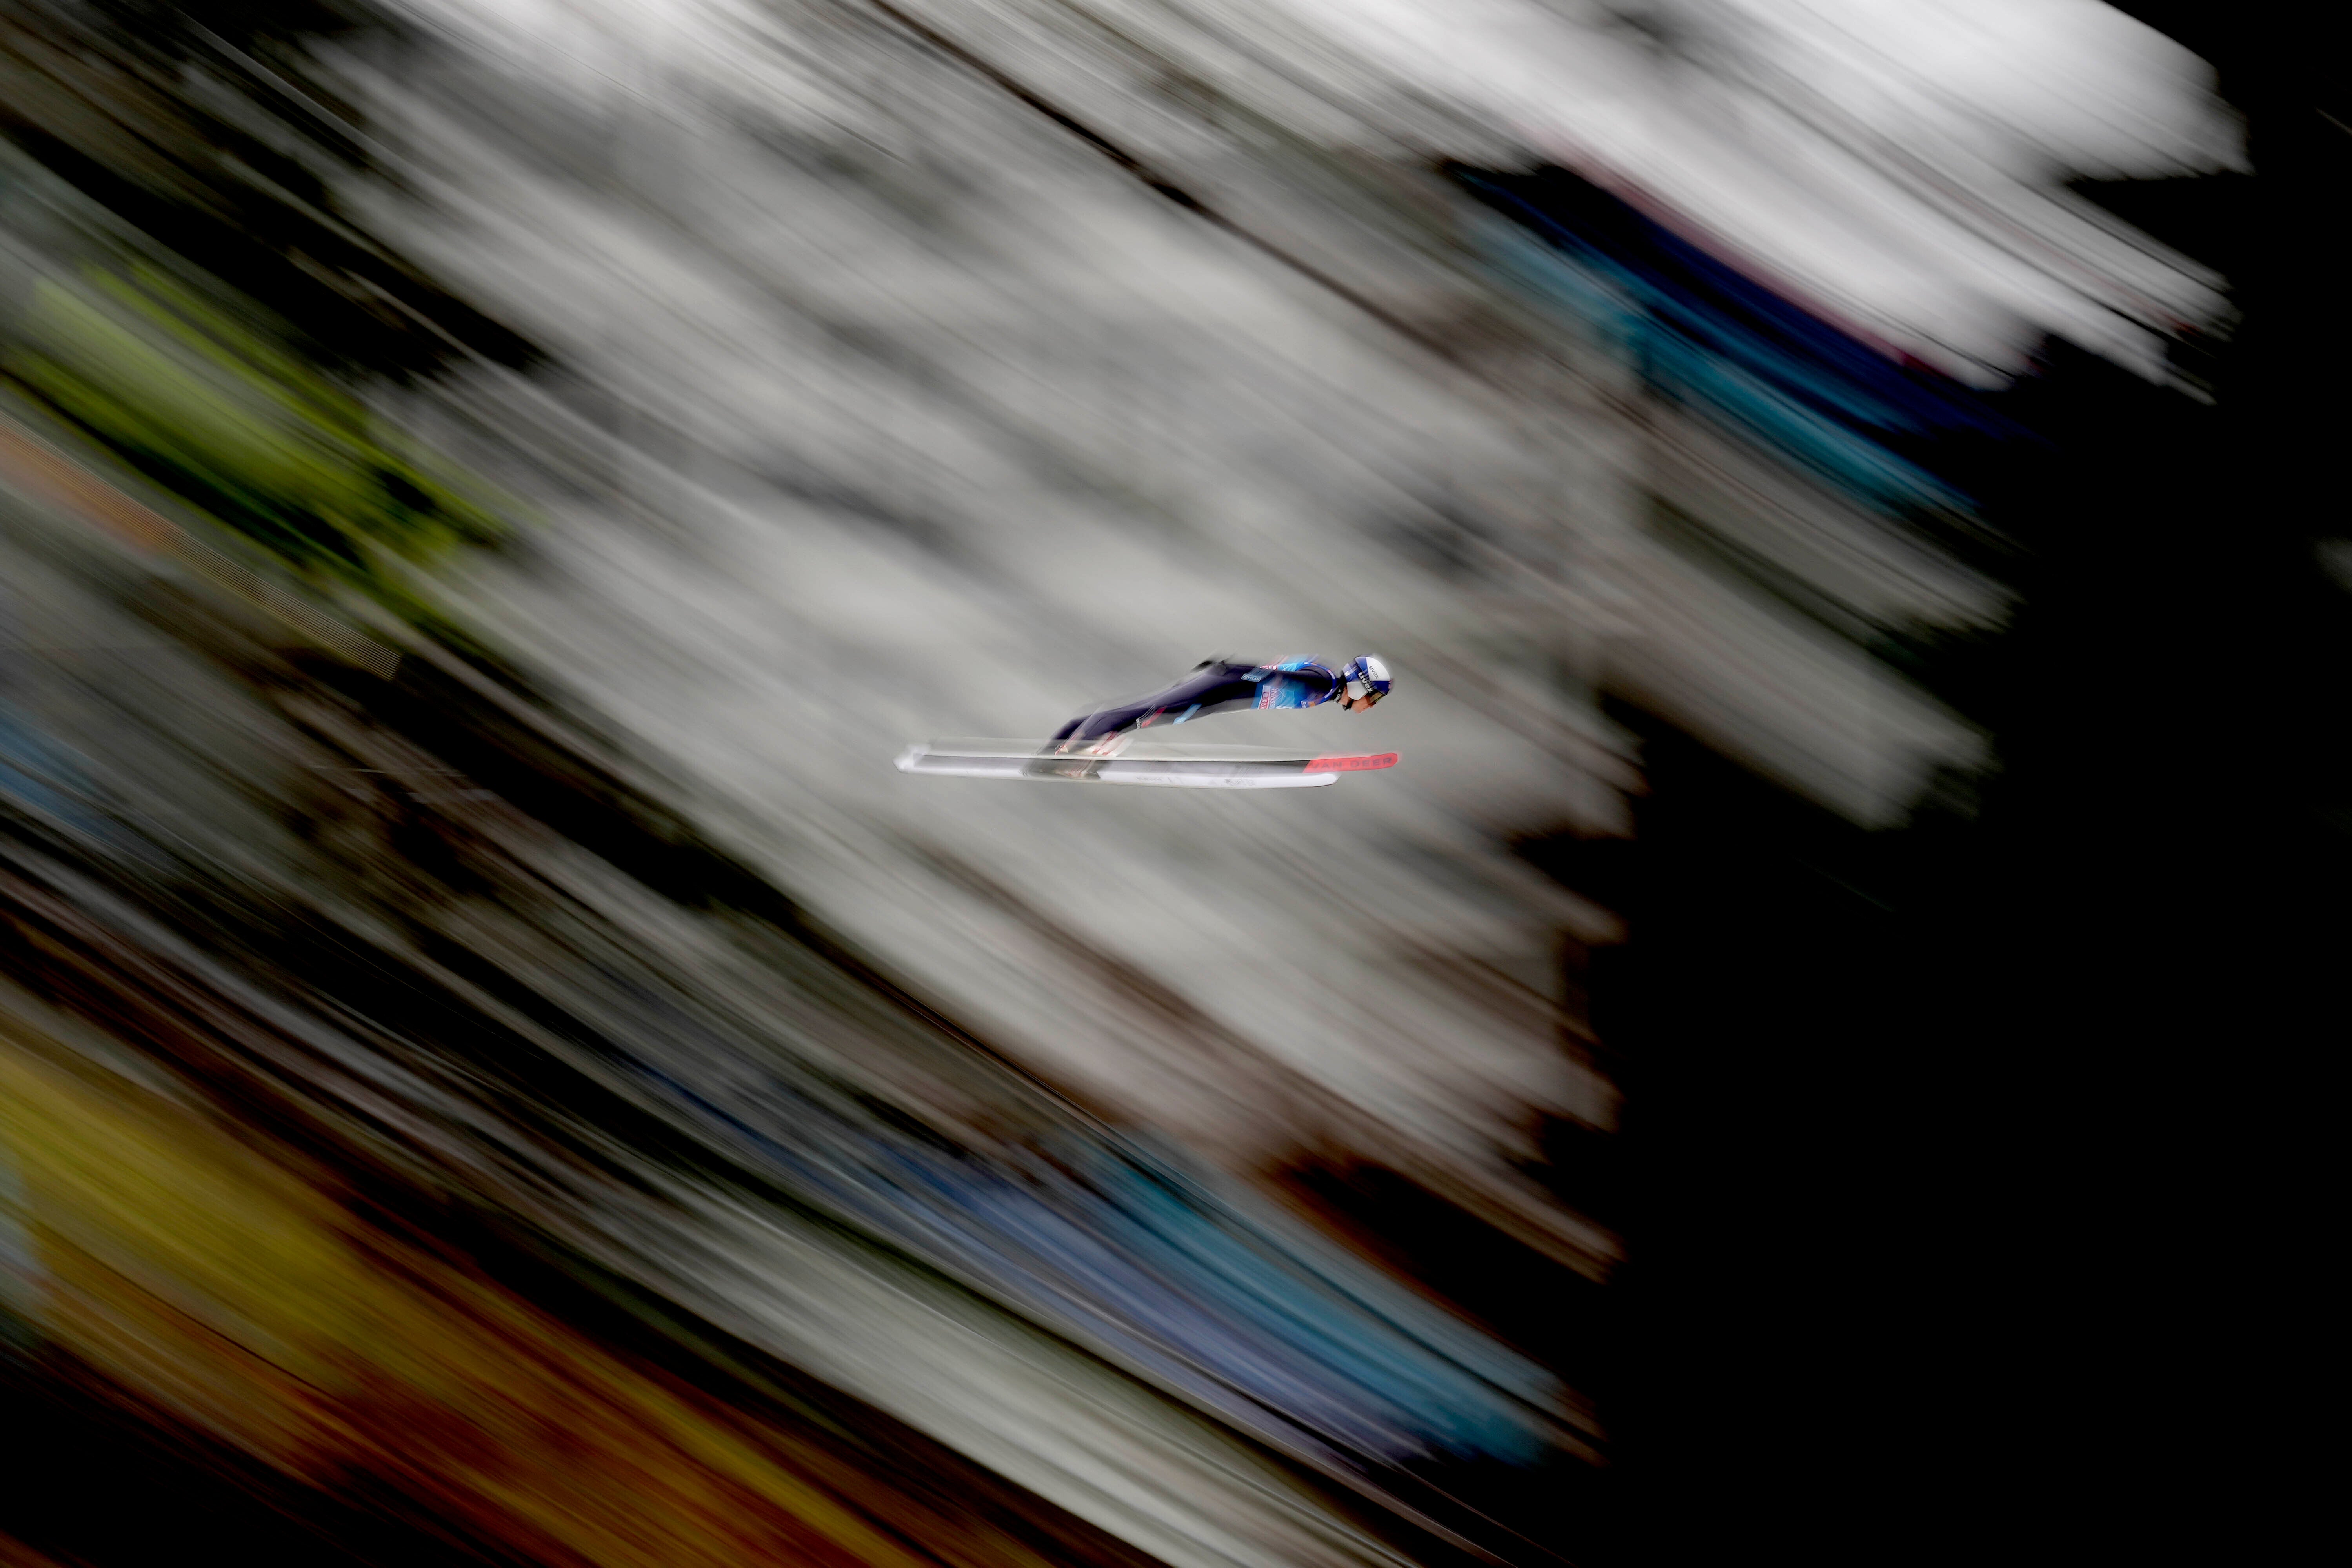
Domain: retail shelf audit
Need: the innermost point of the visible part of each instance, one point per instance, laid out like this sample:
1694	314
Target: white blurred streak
605	50
1025	1403
1901	162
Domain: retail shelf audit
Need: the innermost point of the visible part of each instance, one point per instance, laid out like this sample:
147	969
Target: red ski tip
1352	764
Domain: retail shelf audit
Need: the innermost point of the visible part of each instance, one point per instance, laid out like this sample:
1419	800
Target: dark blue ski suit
1215	686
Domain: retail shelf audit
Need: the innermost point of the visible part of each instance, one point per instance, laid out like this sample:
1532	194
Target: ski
1159	765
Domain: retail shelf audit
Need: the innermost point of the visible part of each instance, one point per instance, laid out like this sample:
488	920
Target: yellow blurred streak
230	1289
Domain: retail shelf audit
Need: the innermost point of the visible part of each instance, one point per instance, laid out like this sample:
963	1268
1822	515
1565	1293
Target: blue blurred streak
1706	334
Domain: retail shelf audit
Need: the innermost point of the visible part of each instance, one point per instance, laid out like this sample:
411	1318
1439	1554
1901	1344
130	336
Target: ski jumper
1215	686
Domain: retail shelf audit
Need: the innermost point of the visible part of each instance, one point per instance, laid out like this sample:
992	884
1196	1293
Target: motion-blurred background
1807	1057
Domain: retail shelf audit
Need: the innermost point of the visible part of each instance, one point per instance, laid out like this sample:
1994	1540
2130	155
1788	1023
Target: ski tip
1352	765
